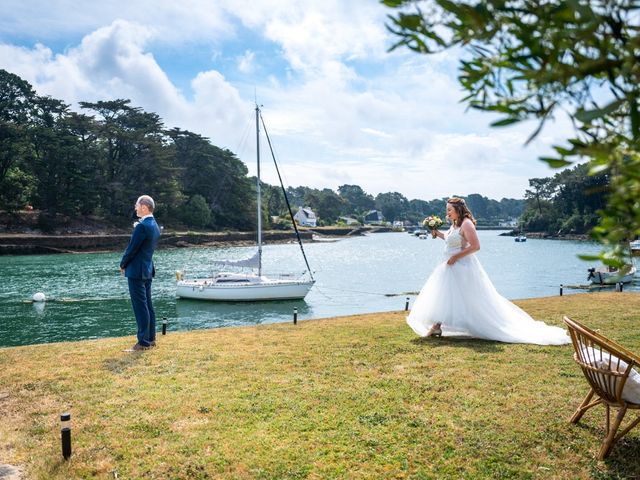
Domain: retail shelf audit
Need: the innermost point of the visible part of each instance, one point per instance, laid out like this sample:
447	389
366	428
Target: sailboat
252	286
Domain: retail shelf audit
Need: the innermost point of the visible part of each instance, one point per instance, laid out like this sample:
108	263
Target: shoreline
42	244
250	326
335	317
38	244
576	237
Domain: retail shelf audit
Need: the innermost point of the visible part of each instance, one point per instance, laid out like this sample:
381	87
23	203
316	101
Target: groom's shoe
137	348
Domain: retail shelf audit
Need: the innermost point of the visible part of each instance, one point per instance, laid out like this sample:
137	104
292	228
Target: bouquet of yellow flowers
432	222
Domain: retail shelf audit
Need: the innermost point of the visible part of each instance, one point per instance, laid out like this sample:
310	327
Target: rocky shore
579	237
35	243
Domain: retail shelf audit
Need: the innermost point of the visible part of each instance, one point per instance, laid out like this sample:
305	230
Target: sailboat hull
239	292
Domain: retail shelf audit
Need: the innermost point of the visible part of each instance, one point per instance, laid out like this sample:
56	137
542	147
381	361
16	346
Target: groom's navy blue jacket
137	260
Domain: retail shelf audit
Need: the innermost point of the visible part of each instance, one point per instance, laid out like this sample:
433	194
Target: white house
513	222
305	217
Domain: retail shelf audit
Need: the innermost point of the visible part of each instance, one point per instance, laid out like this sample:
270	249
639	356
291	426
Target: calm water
89	298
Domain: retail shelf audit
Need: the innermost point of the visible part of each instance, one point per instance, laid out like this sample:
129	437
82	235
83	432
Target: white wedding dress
463	299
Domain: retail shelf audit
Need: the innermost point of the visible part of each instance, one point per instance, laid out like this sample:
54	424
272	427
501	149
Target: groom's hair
147	201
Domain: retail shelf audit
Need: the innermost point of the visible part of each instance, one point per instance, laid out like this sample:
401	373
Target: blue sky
339	107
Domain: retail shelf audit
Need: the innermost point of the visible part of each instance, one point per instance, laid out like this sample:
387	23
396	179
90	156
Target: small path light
406	305
561	286
295	316
164	325
65	434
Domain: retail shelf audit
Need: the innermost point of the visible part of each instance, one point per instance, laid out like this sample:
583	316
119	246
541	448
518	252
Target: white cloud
246	62
338	107
312	33
374	132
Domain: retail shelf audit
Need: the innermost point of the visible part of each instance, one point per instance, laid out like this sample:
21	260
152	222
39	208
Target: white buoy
39	297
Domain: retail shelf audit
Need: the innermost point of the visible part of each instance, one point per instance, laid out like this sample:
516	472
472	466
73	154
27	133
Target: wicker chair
609	369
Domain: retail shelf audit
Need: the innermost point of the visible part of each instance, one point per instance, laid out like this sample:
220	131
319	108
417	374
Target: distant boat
610	275
635	248
320	238
234	287
521	237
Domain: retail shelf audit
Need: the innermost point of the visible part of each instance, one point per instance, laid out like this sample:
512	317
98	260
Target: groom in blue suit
137	266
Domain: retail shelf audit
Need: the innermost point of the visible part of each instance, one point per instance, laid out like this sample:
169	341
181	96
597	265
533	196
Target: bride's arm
468	231
437	233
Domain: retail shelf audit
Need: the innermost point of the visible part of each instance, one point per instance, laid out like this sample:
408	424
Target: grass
351	397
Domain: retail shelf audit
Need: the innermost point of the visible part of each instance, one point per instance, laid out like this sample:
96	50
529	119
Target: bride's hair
461	209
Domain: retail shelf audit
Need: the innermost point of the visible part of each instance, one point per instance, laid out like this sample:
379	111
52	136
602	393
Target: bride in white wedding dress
459	299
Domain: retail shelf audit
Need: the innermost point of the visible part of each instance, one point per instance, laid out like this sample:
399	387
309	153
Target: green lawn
351	397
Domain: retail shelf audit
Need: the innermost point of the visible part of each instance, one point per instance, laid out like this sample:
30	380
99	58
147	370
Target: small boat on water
635	248
611	275
521	238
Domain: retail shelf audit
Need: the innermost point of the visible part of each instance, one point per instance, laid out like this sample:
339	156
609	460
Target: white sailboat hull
264	289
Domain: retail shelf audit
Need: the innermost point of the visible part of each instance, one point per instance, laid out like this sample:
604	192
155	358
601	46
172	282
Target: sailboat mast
259	202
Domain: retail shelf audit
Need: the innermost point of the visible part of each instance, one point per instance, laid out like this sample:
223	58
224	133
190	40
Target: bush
16	189
195	212
282	224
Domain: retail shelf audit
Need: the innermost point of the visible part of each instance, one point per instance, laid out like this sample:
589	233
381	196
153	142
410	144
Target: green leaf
393	3
556	162
586	116
564	151
506	121
589	258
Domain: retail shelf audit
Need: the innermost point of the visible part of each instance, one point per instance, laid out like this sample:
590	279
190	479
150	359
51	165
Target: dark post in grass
164	325
406	305
561	286
65	434
295	316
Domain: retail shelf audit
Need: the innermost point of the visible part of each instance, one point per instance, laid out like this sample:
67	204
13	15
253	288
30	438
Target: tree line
353	201
567	202
95	163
